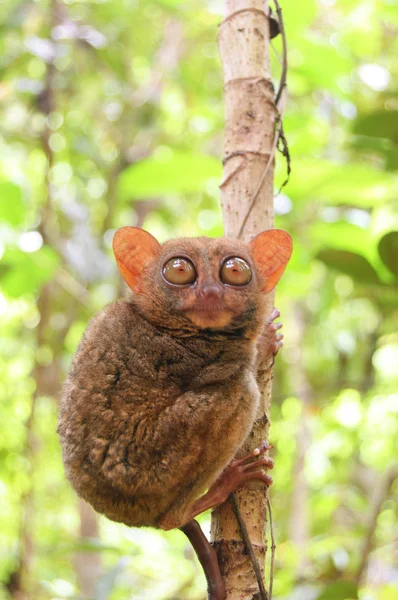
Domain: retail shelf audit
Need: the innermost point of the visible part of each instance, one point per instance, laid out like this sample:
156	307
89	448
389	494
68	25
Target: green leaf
300	15
388	250
373	145
169	172
333	183
342	236
27	272
349	238
350	263
315	55
339	590
11	205
378	124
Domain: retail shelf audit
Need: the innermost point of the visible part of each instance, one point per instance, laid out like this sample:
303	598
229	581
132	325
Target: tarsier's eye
179	271
236	271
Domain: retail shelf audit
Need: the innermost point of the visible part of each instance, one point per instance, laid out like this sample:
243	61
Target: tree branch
381	494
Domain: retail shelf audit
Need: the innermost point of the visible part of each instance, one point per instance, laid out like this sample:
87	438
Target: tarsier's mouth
204	316
208	307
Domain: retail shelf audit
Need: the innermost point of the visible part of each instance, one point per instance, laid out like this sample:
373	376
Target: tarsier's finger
259	475
261	462
276	346
261	449
274	315
240	461
275	326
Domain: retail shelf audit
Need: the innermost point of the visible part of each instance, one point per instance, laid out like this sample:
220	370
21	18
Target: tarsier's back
162	391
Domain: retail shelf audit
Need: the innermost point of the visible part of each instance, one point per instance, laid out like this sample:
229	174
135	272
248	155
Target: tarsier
162	392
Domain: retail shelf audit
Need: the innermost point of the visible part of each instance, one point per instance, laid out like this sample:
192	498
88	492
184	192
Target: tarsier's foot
241	470
236	473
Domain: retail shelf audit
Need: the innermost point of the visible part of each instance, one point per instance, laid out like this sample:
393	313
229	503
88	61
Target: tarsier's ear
271	251
134	249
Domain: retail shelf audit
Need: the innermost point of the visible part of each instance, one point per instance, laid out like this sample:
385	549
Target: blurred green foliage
112	114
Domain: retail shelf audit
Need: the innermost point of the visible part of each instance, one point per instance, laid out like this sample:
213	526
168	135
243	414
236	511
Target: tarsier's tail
207	558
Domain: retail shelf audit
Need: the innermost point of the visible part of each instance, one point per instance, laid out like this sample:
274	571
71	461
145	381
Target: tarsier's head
202	283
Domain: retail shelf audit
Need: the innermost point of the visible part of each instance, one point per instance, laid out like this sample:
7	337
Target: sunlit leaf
173	172
27	271
388	592
388	250
11	203
339	590
341	184
296	16
342	236
314	55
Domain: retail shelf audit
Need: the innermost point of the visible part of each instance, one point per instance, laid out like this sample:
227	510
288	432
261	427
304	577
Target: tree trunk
248	147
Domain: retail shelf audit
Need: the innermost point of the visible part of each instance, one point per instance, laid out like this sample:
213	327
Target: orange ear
134	249
271	251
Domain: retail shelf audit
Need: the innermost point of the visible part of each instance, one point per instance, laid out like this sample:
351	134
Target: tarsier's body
162	392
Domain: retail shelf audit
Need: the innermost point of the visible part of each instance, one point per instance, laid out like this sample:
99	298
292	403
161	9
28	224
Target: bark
248	146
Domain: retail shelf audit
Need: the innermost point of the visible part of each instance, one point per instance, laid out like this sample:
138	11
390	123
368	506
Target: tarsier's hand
275	339
270	341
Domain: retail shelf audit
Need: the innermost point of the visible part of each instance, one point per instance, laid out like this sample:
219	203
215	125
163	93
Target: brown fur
161	393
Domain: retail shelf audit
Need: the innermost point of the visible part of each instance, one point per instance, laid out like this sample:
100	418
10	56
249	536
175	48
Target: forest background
111	113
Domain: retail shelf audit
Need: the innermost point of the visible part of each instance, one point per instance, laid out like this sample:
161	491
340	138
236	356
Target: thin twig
381	494
273	548
72	286
249	547
283	148
276	53
282	83
263	176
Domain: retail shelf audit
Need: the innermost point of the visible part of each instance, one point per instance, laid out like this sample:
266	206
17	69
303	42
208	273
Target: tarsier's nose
210	291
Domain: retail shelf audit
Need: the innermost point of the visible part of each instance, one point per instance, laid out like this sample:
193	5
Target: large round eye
236	271
179	271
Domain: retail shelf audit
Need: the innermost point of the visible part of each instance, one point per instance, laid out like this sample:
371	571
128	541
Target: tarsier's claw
274	315
267	479
264	447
